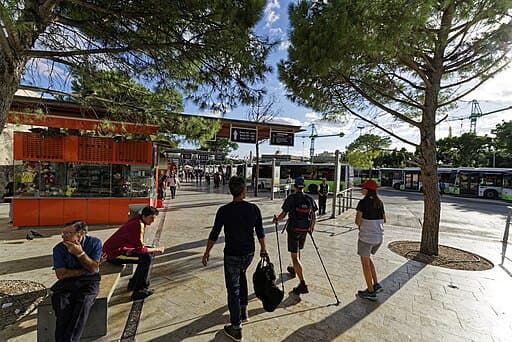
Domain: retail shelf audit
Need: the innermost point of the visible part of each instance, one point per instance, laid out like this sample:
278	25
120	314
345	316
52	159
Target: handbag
264	285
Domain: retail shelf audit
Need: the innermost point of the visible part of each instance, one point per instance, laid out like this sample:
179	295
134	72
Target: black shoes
141	294
301	288
291	270
233	333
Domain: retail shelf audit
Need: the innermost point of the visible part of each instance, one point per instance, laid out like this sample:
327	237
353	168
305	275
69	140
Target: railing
344	200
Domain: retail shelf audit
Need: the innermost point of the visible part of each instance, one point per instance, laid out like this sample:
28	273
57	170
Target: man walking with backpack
301	210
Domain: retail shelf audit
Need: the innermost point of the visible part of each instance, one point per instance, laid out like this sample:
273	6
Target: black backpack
301	216
265	287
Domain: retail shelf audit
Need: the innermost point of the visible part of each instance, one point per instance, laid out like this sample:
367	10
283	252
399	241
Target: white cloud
313	116
271	16
284	45
286	121
276	31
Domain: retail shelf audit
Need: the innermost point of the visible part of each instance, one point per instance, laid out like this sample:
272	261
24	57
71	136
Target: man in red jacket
126	246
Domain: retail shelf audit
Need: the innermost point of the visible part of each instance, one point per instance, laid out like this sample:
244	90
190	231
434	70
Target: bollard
507	225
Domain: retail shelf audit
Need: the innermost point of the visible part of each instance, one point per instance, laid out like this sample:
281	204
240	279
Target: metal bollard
507	225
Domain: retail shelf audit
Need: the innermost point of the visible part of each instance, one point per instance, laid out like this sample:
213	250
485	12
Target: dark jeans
236	284
141	275
173	191
72	310
321	204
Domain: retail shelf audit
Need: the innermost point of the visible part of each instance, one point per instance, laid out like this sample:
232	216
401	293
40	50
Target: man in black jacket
240	219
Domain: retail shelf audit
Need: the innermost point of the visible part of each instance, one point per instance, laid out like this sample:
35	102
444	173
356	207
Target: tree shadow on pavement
352	313
505	258
28	264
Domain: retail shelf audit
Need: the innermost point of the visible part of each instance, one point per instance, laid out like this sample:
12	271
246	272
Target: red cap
370	185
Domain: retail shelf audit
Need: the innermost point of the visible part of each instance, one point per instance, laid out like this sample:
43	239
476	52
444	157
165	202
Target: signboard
281	138
186	155
243	135
203	157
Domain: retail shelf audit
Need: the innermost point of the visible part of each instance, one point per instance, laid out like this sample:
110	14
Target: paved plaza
419	302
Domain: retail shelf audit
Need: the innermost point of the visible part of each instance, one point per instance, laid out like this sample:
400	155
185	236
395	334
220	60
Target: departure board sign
281	138
243	135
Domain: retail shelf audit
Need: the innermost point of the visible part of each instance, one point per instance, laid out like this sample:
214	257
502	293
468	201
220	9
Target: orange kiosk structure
61	175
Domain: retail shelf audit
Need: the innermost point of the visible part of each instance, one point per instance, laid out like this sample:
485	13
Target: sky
493	95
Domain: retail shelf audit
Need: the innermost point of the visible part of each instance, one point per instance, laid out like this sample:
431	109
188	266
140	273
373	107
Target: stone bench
98	319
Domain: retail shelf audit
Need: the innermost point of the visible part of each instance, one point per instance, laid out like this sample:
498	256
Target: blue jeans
236	284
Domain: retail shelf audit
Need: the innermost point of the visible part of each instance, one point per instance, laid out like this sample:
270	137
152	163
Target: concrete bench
98	319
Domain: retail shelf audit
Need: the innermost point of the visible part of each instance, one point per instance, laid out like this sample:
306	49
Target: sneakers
291	270
377	288
141	294
244	314
233	333
301	288
367	295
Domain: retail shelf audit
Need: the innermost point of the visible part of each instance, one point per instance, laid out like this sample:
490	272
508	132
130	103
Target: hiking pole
322	262
279	253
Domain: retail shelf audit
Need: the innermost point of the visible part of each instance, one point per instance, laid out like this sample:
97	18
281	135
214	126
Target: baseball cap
299	182
370	185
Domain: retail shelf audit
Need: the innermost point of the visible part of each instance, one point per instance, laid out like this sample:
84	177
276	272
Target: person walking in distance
370	219
301	210
240	220
126	246
323	191
173	182
76	261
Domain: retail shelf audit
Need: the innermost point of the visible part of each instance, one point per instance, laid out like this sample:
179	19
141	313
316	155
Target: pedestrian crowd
77	258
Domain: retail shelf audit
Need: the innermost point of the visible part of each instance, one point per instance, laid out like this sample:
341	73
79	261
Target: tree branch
381	106
8	39
373	123
47	54
457	98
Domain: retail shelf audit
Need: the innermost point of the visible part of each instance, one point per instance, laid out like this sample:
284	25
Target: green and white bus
312	173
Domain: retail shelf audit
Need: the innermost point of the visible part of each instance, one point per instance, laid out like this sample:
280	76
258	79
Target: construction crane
476	112
313	136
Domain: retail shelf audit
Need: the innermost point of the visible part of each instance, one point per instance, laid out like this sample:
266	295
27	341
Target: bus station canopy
59	114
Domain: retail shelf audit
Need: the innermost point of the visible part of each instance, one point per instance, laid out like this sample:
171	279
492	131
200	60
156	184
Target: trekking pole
327	274
279	254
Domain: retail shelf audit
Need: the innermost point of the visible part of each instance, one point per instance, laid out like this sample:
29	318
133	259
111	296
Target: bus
391	177
490	183
312	173
362	175
506	193
482	182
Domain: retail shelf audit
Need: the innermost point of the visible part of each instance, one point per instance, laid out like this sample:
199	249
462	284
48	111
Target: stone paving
419	303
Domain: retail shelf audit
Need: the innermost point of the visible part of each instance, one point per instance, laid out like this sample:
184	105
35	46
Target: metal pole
337	171
272	183
507	225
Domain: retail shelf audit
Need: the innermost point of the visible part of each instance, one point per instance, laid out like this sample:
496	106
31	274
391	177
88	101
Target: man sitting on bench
75	260
126	246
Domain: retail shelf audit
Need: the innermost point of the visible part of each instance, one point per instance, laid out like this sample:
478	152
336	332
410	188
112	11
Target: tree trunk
429	178
257	173
9	81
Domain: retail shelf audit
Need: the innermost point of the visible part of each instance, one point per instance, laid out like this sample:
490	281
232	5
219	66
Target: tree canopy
467	150
411	60
132	102
362	151
205	49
